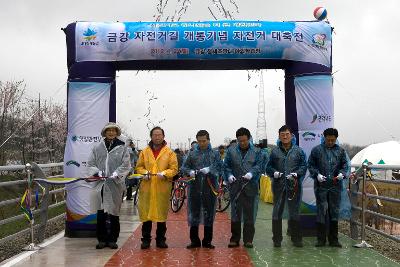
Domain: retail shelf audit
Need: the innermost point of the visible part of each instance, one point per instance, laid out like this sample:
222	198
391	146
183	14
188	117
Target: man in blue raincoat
242	169
287	165
201	191
328	165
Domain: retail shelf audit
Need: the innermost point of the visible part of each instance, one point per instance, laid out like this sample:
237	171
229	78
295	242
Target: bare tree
30	129
352	150
11	97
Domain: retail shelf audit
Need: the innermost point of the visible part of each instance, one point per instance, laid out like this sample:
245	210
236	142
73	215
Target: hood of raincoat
109	126
197	147
323	141
293	141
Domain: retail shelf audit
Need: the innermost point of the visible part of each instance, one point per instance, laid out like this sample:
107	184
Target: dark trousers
112	233
130	183
129	192
194	234
332	232
244	210
248	232
160	232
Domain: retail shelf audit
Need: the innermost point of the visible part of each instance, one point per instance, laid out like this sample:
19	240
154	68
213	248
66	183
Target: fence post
31	246
354	214
363	243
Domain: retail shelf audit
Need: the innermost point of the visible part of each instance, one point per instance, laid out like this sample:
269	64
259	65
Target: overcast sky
365	53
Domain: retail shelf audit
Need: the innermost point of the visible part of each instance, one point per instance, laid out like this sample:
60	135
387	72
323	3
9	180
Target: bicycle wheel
223	200
177	199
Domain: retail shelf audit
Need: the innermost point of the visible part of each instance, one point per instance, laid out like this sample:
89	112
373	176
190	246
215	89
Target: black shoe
248	245
193	245
161	244
101	245
233	244
208	245
335	244
145	244
298	244
295	232
333	235
277	233
129	198
112	245
321	235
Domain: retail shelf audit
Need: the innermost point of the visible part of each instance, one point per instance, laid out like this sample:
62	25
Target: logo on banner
73	162
89	38
321	118
86	139
319	41
309	136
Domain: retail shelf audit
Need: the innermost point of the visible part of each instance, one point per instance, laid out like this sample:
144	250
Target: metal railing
45	206
361	175
22	167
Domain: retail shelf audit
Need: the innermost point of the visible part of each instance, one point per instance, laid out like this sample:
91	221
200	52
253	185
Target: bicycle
178	194
223	197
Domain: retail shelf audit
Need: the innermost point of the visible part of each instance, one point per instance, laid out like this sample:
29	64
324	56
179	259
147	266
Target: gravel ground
15	246
383	245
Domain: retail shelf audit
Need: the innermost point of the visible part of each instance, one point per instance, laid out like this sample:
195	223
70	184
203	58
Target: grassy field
389	190
387	208
19	225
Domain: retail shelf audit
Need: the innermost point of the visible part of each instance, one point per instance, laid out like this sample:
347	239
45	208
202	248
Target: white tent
388	152
381	153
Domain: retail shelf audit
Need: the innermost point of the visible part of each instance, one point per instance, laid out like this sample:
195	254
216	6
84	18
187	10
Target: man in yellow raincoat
159	165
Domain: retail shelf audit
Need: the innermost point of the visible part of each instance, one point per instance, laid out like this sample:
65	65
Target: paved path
264	254
177	254
77	252
81	251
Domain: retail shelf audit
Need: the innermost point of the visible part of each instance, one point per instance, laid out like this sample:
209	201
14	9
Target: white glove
205	170
114	175
291	176
248	176
161	175
321	178
100	174
231	179
192	173
277	175
146	175
340	176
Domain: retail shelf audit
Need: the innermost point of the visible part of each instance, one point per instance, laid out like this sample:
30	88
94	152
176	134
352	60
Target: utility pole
261	123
